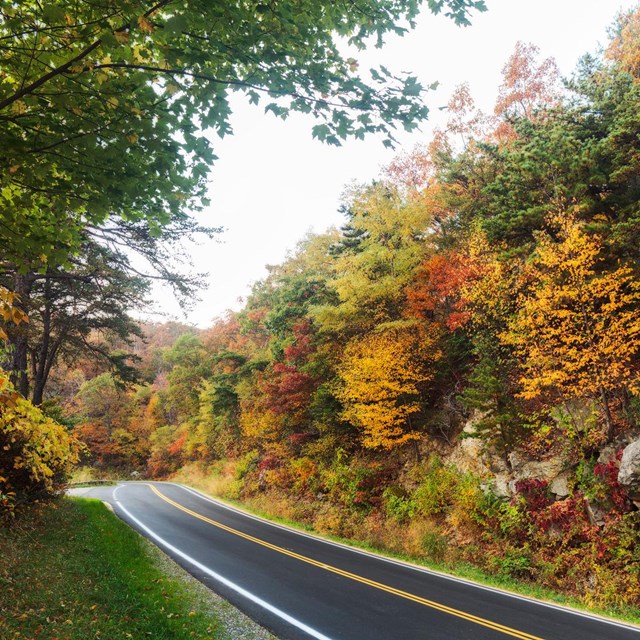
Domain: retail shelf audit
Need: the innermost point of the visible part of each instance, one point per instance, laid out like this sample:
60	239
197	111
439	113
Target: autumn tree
527	85
105	108
382	377
102	410
577	328
36	452
412	170
486	299
369	275
77	311
187	367
624	46
465	122
156	338
436	291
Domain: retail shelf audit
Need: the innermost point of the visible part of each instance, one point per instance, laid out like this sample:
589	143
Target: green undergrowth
459	569
73	571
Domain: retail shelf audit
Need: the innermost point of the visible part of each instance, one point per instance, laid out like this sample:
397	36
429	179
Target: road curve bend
302	587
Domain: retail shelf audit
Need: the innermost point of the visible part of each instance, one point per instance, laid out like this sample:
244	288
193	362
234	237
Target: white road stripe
231	585
407	565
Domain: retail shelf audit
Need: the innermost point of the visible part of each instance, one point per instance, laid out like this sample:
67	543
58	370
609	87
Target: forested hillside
108	113
455	372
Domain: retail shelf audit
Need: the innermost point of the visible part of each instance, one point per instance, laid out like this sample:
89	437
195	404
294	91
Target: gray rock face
560	485
596	514
473	455
525	467
629	474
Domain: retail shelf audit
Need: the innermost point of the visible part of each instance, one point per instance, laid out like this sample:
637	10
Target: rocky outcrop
472	455
559	486
629	473
468	454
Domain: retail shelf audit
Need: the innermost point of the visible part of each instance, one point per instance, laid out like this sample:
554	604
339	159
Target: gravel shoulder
236	624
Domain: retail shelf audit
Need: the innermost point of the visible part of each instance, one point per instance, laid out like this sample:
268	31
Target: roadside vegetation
427	541
454	374
71	570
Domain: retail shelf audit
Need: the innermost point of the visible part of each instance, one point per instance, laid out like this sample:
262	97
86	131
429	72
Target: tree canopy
106	107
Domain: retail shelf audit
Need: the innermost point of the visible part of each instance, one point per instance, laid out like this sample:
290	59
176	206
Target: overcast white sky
273	182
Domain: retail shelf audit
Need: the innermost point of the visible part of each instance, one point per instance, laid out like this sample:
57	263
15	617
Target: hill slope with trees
455	373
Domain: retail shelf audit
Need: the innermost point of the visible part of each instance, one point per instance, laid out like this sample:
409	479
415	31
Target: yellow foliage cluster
381	377
262	424
8	311
577	331
489	290
36	453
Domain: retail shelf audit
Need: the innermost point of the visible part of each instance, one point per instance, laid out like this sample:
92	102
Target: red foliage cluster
269	462
608	472
289	390
535	492
435	293
371	484
298	439
569	517
302	347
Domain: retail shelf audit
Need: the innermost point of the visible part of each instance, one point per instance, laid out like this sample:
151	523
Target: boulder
525	468
596	513
629	473
559	486
468	456
500	486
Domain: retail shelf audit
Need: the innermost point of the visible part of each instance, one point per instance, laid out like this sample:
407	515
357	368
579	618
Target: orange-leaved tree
382	376
436	291
624	48
577	328
528	89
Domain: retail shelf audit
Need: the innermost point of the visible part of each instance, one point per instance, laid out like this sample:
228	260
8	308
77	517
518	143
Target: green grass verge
73	571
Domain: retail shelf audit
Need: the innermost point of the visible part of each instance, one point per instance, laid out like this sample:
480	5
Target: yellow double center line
352	576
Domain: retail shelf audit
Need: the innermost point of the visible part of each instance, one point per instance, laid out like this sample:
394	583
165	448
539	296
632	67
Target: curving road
302	587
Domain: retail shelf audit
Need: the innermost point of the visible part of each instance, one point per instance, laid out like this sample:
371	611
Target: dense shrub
36	453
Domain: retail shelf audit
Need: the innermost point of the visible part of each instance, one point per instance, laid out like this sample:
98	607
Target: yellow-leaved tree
577	327
36	453
382	376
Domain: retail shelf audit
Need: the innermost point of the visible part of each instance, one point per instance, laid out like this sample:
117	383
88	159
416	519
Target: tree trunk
628	410
20	339
416	446
607	413
40	362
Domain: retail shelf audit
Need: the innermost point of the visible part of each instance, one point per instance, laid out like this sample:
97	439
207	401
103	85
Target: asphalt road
301	587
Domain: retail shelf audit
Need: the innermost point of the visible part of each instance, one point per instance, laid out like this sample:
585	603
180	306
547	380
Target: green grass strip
73	571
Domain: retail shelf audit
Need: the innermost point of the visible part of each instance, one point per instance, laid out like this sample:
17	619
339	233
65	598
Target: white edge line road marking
231	585
407	565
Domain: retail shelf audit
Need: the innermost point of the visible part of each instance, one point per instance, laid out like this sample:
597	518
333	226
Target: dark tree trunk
41	357
628	410
607	413
20	339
